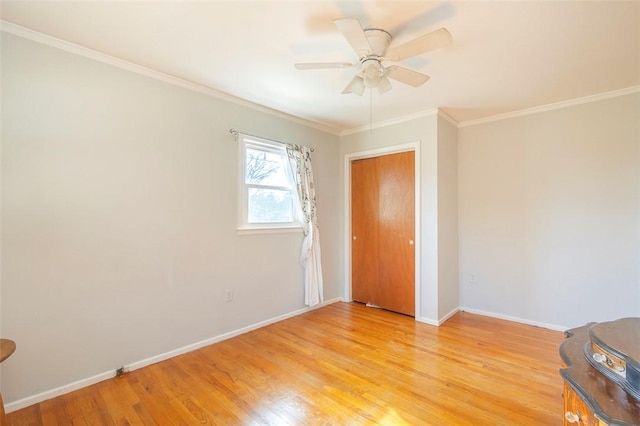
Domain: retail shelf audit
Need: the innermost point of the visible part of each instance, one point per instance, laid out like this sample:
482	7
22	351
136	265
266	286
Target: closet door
364	229
383	228
396	225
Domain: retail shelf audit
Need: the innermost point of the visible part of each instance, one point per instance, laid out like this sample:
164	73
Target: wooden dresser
600	381
7	347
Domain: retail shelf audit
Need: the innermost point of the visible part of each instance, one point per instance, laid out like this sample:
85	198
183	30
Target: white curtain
300	159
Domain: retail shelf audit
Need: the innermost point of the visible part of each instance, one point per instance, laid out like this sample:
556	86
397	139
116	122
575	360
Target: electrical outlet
472	279
228	295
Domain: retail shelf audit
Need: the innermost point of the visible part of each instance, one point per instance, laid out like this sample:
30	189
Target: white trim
447	117
11	28
270	230
43	396
448	316
79	384
514	319
497	117
348	158
377	152
428	321
554	106
417	170
346	290
48	40
404	118
439	322
15	29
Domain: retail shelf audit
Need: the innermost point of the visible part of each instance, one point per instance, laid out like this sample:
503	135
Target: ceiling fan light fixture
371	82
371	73
372	68
355	86
372	49
384	84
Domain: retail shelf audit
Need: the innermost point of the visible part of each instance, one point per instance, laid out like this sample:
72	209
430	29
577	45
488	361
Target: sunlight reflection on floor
392	418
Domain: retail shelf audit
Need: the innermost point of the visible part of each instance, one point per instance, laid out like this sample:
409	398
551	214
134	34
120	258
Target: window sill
269	230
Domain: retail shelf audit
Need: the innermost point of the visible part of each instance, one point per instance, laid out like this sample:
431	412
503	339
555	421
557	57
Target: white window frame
244	227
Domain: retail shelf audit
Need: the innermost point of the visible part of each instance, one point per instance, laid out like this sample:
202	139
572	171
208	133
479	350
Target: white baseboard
440	321
43	396
426	320
449	315
514	319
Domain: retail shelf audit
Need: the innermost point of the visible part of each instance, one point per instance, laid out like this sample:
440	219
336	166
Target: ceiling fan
372	49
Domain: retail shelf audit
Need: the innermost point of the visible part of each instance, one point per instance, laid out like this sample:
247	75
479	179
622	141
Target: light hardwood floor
343	364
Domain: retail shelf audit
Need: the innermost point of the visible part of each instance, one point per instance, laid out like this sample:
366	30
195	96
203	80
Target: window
267	189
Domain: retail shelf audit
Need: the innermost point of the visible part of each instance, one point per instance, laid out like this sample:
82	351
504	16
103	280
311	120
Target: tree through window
267	185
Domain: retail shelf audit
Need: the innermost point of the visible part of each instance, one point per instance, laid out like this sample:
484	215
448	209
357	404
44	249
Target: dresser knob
572	417
599	358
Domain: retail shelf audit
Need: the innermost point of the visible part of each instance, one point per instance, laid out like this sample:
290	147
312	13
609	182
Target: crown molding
48	40
553	106
447	117
498	117
404	118
18	30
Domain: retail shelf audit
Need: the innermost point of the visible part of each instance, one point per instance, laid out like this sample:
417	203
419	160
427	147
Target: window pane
269	205
266	168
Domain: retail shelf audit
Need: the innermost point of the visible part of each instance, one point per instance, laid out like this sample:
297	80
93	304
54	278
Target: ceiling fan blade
322	65
406	76
356	86
354	34
425	43
384	85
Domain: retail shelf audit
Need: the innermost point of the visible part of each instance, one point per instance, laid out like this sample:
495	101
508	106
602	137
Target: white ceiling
506	55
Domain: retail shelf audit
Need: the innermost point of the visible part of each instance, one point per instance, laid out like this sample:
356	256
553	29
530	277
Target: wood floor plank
343	364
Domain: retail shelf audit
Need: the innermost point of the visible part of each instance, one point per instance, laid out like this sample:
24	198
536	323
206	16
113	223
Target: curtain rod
235	133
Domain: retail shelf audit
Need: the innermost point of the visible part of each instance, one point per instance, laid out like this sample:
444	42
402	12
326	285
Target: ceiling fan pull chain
370	112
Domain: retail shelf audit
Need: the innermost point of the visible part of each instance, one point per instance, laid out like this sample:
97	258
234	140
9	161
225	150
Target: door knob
410	242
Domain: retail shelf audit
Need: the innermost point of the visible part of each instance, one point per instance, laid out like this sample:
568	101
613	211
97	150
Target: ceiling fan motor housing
379	40
372	70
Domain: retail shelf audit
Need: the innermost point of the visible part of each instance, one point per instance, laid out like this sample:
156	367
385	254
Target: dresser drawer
576	412
614	350
606	360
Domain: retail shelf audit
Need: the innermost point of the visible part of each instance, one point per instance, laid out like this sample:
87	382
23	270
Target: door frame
348	159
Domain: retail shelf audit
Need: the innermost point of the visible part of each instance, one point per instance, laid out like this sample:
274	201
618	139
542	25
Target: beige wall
448	297
119	215
549	214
